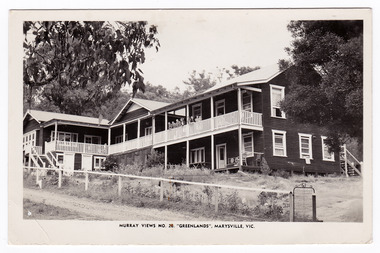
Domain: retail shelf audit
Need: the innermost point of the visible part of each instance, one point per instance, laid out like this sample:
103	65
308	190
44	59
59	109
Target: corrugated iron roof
43	116
261	75
149	104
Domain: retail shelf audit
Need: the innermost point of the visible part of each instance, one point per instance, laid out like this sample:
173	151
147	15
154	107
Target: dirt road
105	211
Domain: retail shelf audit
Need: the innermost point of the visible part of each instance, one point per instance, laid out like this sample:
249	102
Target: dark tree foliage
74	65
238	71
326	76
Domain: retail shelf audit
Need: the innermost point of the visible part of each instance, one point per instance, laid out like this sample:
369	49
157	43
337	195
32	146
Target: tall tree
326	78
199	82
79	65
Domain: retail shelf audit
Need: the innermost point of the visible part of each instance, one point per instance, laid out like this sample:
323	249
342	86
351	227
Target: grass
338	198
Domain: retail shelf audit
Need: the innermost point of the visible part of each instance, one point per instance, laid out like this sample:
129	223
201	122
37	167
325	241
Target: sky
208	40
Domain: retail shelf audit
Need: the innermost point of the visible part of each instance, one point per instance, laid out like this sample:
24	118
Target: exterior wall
31	125
230	99
143	124
133	115
82	131
206	113
177	153
203	142
232	143
293	160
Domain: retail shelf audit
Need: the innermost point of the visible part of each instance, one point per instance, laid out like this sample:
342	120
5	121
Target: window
92	139
197	110
305	146
247	101
65	136
197	155
60	158
326	155
99	162
248	144
148	131
279	143
220	107
29	138
277	94
119	139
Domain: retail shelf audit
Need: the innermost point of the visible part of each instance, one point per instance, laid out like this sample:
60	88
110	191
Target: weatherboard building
235	125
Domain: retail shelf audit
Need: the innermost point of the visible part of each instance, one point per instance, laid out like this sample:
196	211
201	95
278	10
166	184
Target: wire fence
276	204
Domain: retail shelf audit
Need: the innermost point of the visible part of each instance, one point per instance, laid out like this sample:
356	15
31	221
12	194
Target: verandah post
59	178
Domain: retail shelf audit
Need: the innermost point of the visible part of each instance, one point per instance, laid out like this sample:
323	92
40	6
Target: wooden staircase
349	164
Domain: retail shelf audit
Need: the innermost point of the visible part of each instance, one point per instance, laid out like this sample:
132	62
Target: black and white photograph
204	121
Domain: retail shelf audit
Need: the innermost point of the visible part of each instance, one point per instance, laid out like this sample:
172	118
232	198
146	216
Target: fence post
86	181
59	178
314	199
119	187
291	207
216	199
37	176
161	190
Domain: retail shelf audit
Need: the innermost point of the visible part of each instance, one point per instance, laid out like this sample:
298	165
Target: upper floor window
247	101
220	106
279	143
277	93
305	146
65	136
197	110
92	139
148	131
326	155
29	138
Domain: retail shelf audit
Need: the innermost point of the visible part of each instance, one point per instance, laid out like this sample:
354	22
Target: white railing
200	127
49	146
227	119
27	148
37	150
159	137
132	144
251	118
77	147
146	141
176	133
116	148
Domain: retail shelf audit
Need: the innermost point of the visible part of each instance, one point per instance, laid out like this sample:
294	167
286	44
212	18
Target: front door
221	156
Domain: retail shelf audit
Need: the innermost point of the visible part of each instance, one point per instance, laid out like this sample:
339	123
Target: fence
168	183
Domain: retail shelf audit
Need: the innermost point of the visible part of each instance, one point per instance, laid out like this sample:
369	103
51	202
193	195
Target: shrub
265	169
281	173
111	163
155	158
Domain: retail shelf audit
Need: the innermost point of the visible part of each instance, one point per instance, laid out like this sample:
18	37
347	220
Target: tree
199	82
238	71
79	65
326	77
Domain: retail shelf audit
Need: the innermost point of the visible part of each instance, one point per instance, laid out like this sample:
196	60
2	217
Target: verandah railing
77	147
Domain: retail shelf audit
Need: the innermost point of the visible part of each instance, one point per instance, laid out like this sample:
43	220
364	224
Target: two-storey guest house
75	142
234	125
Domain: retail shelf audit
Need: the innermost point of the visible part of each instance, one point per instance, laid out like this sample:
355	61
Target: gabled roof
42	116
149	105
261	75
